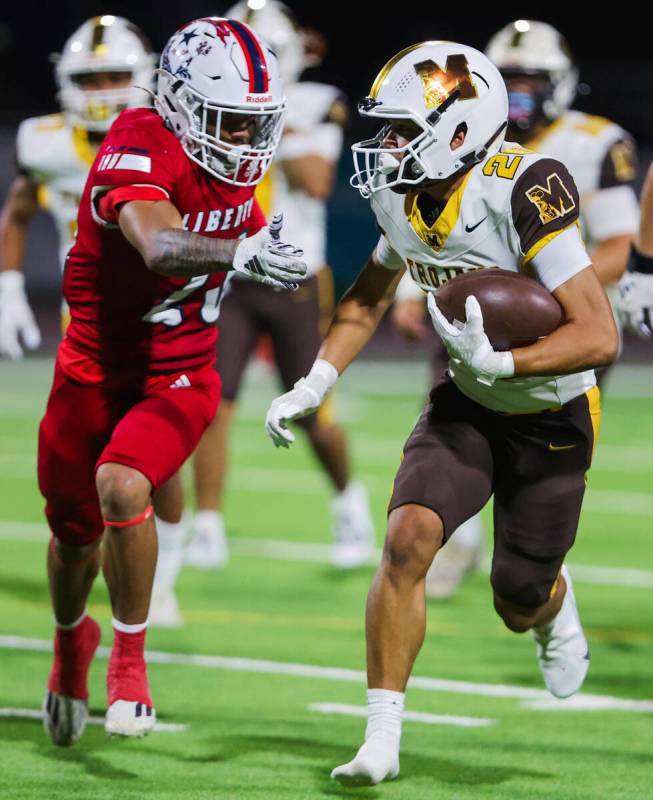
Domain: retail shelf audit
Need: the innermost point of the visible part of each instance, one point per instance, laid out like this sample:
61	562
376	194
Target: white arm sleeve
407	289
385	254
561	259
610	212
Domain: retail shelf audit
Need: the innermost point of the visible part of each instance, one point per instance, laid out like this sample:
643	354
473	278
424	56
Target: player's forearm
17	212
610	258
351	329
178	253
358	314
573	347
311	174
644	241
13	236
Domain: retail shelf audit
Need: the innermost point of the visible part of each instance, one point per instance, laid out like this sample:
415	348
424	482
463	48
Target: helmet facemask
198	122
96	109
398	168
530	98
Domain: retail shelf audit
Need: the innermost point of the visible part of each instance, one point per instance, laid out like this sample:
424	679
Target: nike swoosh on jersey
474	227
554	448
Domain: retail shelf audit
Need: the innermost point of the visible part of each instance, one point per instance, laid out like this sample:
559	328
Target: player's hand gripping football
266	259
306	397
469	344
636	303
16	319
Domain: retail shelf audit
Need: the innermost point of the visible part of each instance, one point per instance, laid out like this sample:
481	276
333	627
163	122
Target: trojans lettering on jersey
123	316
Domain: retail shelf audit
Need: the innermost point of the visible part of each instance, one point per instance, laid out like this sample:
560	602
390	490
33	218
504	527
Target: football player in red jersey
168	210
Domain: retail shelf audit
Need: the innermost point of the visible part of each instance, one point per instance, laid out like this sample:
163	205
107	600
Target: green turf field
282	634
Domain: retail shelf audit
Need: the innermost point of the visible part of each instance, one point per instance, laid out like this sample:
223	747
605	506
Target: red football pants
153	428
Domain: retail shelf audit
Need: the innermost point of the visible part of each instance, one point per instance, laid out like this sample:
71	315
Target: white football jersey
57	158
313	126
601	158
517	210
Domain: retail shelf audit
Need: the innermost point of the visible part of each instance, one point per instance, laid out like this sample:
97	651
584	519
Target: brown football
517	311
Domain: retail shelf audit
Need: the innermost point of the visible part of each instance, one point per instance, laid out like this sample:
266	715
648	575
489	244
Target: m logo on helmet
439	83
553	201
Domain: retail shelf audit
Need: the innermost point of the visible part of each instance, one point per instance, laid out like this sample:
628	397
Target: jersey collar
436	235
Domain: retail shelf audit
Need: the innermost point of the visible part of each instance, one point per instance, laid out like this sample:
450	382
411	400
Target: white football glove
636	303
306	397
266	259
16	318
469	345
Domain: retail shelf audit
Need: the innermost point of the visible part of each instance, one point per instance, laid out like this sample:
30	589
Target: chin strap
479	155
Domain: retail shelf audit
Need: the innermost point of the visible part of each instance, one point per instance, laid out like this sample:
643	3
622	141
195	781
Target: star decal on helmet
189	35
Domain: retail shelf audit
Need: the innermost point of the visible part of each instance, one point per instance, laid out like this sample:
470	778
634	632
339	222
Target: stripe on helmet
97	37
258	69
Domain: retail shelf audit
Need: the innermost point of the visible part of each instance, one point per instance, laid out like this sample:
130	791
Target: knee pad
75	525
522	582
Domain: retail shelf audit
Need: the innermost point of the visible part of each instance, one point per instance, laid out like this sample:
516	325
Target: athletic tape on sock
149	511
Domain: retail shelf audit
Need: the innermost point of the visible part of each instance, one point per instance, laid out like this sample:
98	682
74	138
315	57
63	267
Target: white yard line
581	702
32	713
408	716
341	674
281	550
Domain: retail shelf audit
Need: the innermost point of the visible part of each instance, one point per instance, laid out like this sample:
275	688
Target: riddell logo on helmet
259	98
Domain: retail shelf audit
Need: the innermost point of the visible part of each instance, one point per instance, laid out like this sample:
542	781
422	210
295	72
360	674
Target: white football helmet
212	68
443	88
276	23
527	47
103	44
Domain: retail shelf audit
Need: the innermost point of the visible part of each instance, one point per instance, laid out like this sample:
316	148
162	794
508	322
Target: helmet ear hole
462	128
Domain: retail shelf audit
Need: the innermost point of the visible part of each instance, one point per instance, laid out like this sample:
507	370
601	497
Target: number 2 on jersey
502	165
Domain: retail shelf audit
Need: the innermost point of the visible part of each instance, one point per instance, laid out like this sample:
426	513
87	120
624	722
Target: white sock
123	628
351	492
378	758
70	626
208	519
470	533
171	536
384	711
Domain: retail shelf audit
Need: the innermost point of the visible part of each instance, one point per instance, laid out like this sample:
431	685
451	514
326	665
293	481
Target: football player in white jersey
541	78
299	184
98	74
451	196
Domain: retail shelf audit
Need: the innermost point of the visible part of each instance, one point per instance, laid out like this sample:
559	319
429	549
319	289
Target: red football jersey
126	319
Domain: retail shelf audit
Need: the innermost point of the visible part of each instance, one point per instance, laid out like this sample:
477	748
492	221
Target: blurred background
616	81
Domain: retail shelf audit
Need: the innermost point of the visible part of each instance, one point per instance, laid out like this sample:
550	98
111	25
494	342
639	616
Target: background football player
450	196
103	68
168	209
299	183
636	287
535	61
